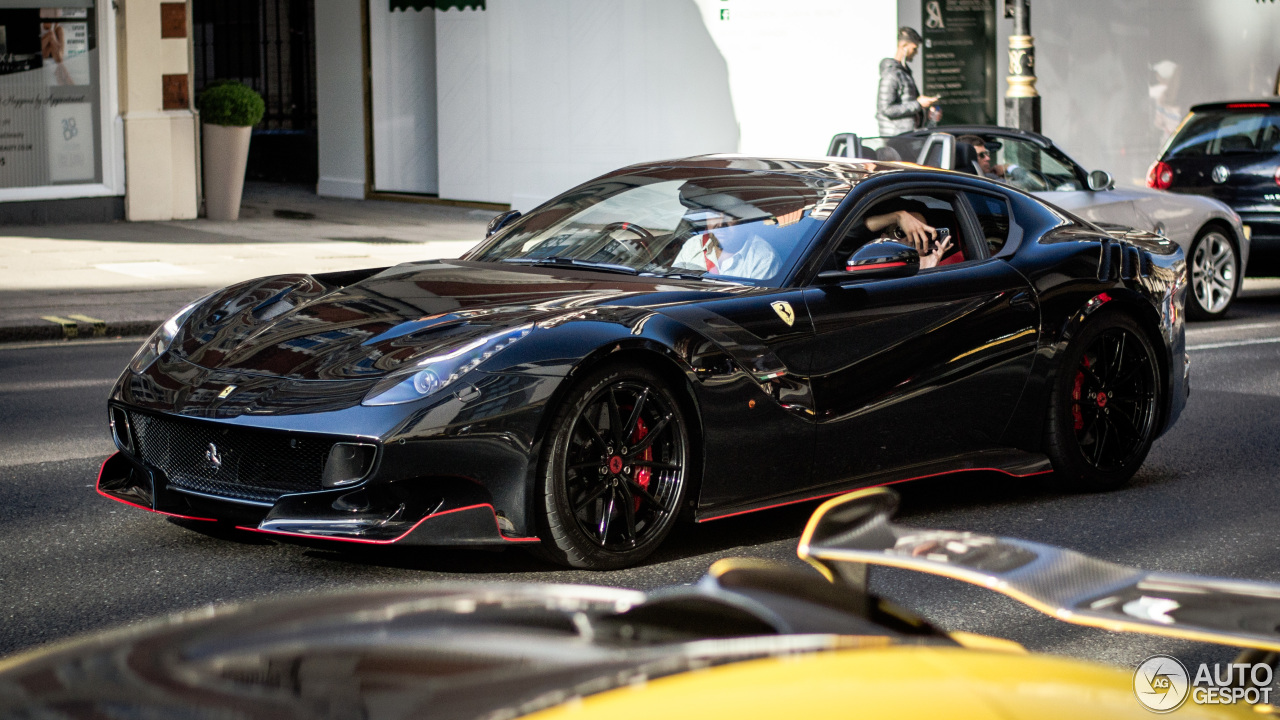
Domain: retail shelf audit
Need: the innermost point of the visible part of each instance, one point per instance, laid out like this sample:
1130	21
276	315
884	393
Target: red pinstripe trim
891	482
402	536
98	486
871	266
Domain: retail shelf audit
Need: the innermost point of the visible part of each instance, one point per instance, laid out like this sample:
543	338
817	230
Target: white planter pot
226	152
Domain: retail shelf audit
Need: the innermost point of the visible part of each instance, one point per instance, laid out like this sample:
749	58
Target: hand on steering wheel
644	236
1026	178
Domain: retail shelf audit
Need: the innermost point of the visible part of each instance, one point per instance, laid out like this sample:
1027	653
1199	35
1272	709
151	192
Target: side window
993	218
904	217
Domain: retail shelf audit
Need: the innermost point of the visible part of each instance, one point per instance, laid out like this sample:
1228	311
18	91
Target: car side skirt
1014	463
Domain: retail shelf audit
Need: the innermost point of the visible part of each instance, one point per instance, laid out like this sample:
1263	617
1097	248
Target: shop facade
96	121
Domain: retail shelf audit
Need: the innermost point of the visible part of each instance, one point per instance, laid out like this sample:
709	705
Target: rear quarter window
993	218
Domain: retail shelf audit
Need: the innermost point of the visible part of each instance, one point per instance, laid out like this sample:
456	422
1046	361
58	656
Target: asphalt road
1205	502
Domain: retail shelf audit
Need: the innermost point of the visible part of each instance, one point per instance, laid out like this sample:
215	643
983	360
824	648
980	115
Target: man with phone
899	105
909	228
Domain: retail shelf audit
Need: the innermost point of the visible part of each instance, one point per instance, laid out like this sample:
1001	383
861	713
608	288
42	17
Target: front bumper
449	472
460	516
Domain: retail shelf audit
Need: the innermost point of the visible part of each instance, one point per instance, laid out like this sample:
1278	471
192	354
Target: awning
420	5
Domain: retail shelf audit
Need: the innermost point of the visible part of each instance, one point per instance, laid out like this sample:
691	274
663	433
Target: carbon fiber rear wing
849	533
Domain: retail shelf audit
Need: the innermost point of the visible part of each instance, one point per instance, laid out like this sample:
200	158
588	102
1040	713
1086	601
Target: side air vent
1130	264
1123	262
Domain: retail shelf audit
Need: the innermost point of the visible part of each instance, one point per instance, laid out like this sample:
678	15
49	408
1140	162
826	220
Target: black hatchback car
1229	151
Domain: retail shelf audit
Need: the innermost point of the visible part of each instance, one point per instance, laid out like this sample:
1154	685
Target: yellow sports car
752	640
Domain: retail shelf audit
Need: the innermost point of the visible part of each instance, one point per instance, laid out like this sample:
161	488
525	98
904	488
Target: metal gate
268	45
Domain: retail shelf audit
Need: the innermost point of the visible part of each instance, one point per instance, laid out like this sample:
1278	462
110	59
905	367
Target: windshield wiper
555	261
695	276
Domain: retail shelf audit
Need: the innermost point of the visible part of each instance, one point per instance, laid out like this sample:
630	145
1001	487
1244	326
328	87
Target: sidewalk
134	276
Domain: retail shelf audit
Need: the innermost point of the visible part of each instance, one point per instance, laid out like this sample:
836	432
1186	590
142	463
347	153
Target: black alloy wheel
615	469
1105	406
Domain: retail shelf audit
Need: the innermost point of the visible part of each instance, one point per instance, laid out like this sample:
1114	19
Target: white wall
1098	65
803	70
339	99
535	96
1101	66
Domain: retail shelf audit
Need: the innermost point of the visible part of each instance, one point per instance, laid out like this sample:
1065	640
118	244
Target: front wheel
1104	406
615	469
1215	276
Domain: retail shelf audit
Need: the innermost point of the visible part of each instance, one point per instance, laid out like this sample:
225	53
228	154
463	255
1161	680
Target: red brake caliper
1075	395
644	474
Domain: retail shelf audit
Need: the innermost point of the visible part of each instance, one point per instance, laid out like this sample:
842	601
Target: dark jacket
896	108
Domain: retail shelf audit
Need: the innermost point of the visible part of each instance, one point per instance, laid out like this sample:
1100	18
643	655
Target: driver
984	157
705	250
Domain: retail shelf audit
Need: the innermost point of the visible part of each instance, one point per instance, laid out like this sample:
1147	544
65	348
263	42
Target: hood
364	325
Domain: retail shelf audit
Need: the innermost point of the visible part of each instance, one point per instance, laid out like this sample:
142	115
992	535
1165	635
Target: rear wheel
1215	275
614	470
1104	406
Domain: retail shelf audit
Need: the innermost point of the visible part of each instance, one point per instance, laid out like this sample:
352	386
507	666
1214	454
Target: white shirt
755	260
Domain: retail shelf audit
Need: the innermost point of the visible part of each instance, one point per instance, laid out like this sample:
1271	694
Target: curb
52	331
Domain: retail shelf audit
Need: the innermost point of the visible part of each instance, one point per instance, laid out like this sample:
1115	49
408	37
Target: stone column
160	129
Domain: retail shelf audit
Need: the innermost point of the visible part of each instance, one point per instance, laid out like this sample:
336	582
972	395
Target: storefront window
49	94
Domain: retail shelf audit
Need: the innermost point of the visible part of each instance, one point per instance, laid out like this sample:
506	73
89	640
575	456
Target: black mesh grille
250	464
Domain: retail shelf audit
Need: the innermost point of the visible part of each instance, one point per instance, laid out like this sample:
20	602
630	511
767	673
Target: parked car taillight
1278	176
1160	176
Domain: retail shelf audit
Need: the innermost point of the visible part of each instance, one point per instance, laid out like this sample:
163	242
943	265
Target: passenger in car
754	259
908	226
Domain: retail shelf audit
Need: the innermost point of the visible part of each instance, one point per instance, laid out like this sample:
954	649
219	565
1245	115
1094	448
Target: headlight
433	374
160	340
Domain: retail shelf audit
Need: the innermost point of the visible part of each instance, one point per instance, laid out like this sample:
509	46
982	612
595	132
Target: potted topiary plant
228	112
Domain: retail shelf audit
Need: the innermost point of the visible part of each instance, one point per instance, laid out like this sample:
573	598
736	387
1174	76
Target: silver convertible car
1208	231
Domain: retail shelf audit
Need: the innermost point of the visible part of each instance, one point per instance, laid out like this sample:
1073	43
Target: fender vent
1123	262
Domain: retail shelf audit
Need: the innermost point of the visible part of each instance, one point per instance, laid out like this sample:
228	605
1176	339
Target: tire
614	469
1104	406
1214	269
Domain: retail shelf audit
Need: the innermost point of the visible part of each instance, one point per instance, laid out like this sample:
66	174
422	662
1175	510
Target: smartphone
944	234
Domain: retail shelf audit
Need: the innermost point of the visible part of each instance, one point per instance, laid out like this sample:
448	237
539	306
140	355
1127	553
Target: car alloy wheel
1214	274
617	470
1113	400
1106	405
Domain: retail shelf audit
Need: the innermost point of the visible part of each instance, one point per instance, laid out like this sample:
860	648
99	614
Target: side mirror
1101	180
500	221
875	261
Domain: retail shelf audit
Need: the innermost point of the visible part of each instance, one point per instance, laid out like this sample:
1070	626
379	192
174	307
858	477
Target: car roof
1270	102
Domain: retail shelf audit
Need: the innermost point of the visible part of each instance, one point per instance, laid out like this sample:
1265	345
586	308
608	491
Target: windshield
1033	168
1224	132
737	225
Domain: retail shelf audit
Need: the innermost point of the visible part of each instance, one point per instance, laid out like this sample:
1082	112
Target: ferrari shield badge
226	391
783	308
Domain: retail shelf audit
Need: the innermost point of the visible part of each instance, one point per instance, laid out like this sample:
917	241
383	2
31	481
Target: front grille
227	461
